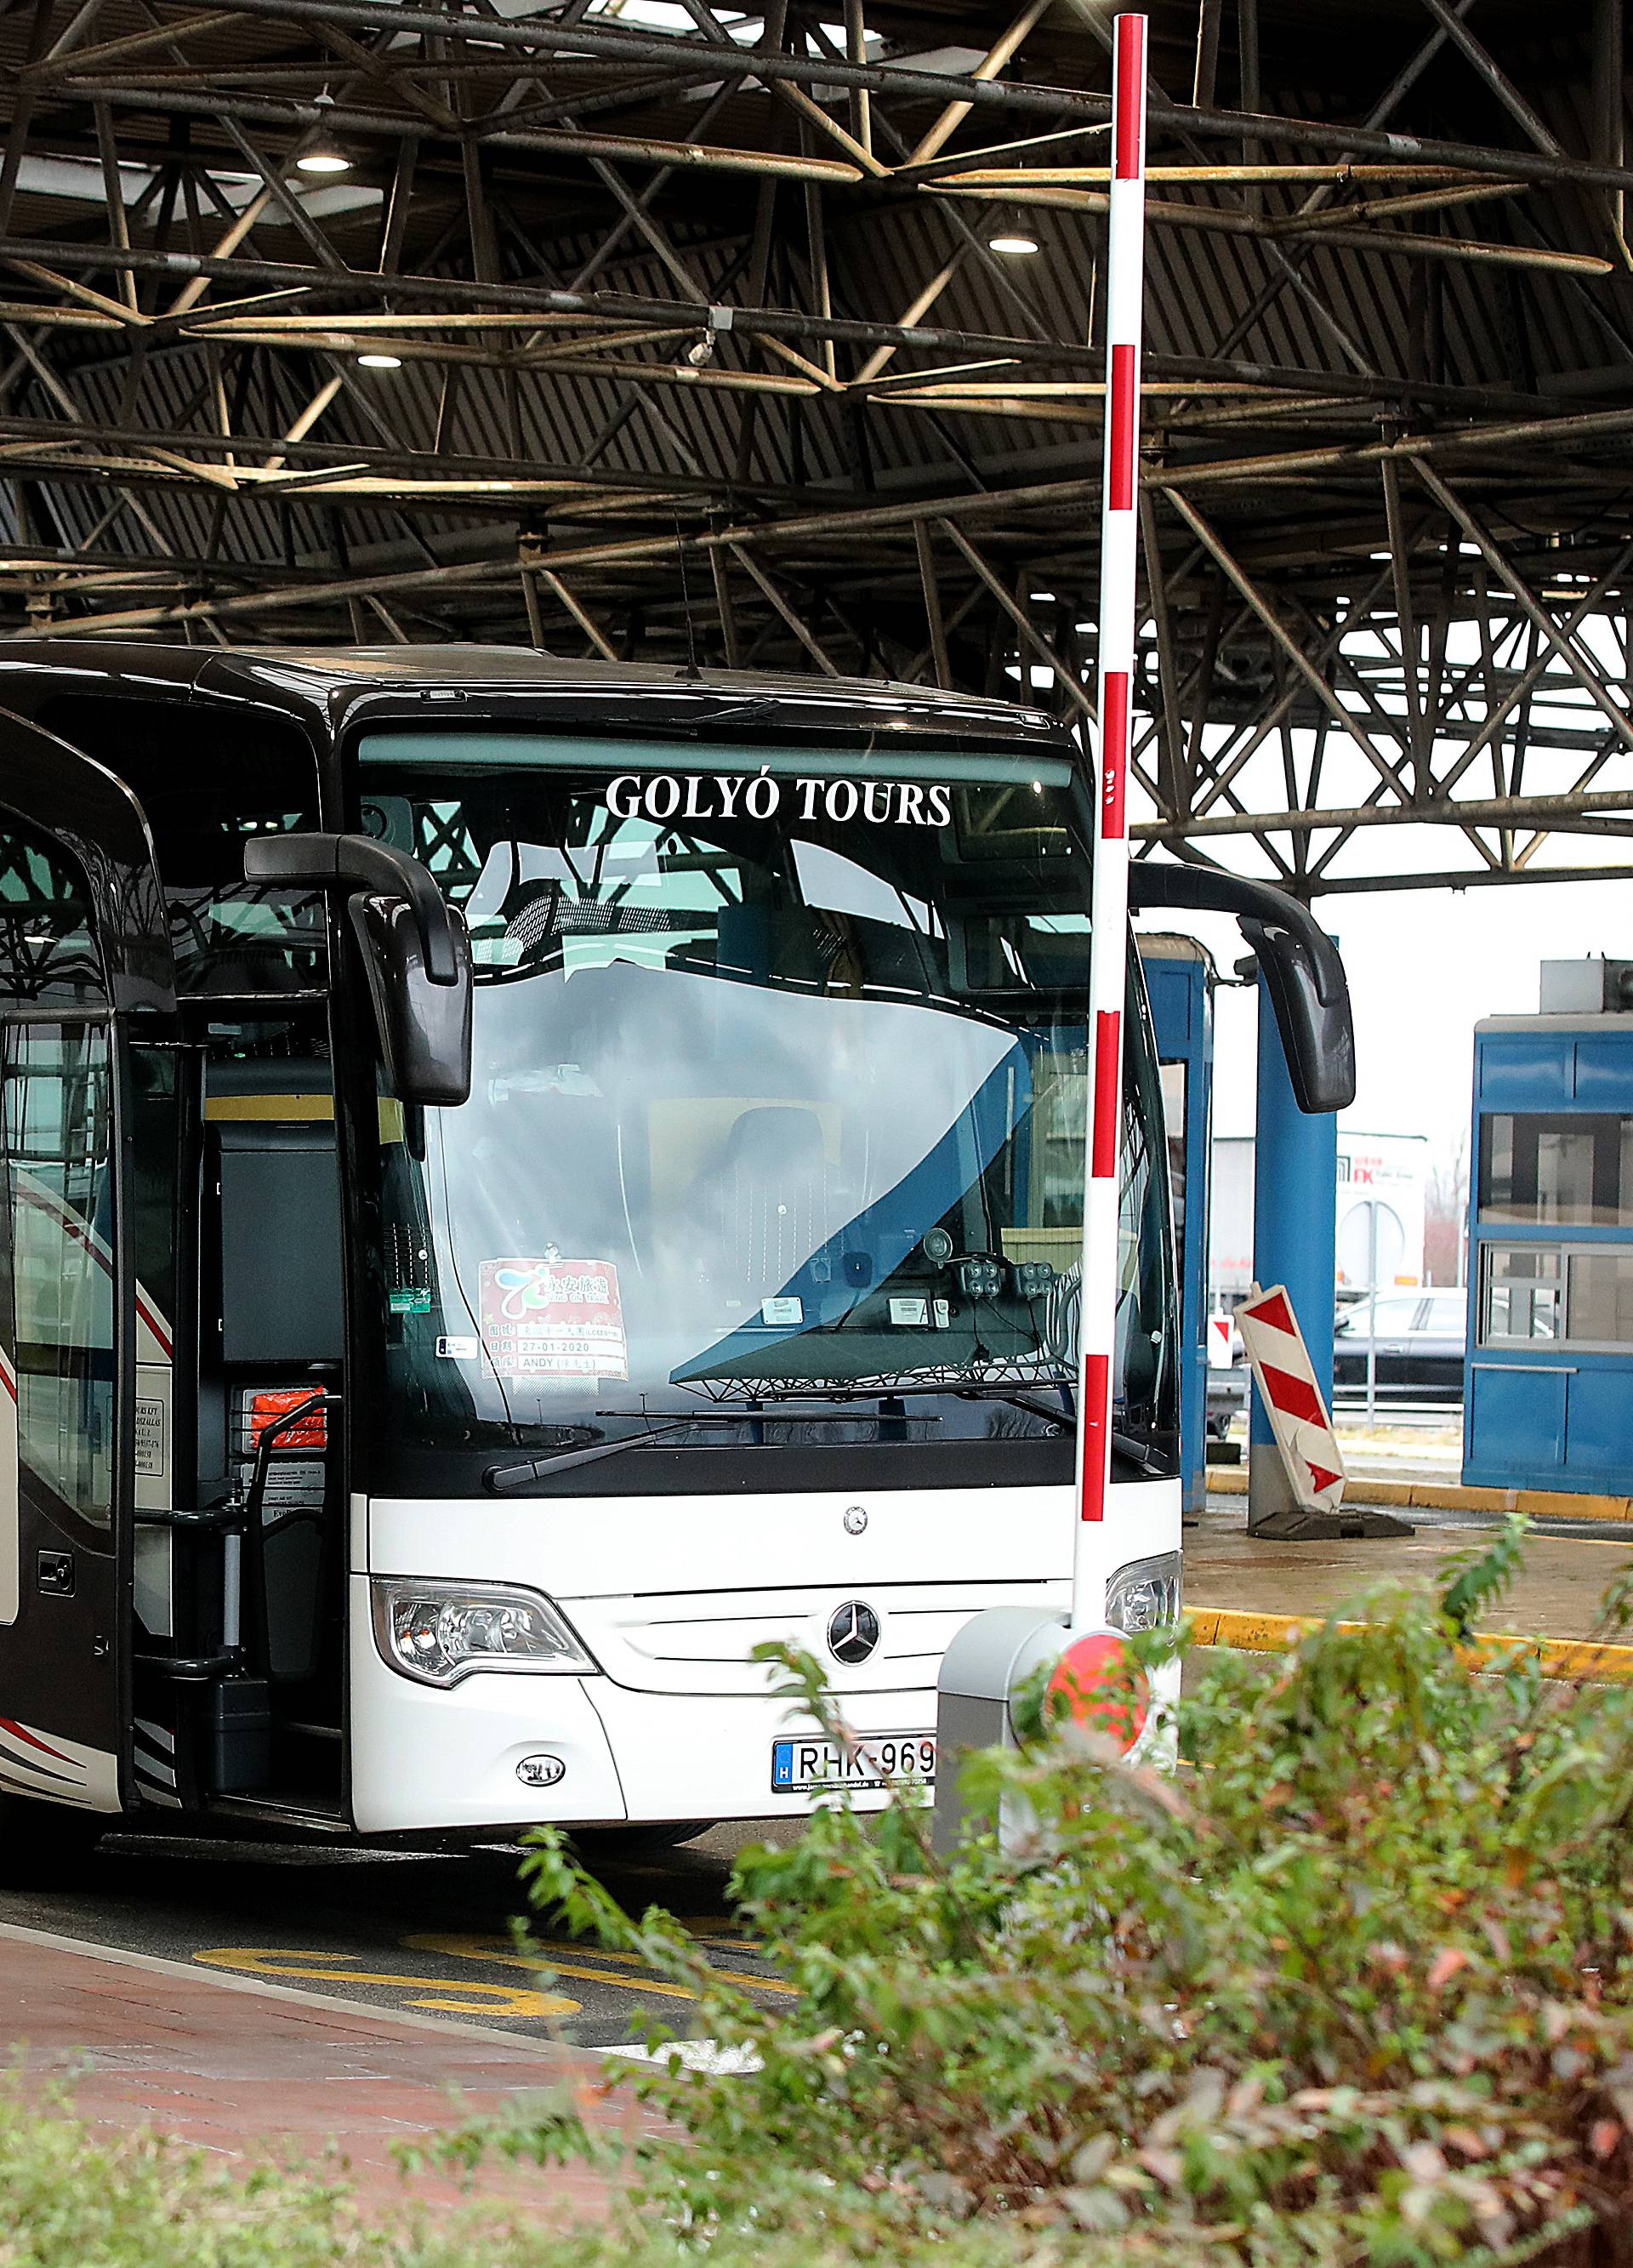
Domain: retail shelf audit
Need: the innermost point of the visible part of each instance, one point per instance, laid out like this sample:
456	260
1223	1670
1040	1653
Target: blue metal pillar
1295	1182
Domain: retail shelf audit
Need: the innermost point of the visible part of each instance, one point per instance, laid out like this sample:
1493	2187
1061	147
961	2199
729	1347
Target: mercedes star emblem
855	1519
852	1632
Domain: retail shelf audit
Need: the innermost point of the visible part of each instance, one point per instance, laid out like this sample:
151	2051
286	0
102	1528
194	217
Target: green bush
1353	1988
73	2198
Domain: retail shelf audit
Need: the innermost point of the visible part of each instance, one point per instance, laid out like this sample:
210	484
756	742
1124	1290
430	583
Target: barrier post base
982	1671
1294	1525
1270	1492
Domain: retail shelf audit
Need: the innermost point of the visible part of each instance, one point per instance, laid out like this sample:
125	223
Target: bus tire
45	1843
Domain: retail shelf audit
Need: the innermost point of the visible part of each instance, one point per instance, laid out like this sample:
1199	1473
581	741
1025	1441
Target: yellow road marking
504	1955
456	1998
1568	1658
1452	1496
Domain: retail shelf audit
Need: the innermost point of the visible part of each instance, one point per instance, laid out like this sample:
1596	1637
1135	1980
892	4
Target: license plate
879	1760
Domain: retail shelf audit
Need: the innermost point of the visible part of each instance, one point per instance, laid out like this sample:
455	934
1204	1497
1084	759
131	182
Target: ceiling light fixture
379	362
1012	240
322	153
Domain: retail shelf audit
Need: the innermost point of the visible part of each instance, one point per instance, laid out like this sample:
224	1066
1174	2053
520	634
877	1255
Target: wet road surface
422	1929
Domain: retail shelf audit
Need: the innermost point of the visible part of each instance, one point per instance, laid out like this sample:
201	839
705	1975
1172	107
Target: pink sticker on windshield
553	1319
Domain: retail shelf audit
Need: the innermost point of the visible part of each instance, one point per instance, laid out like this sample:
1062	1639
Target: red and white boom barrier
991	1658
1125	277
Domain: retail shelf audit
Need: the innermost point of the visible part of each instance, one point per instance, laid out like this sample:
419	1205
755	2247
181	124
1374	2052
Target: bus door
84	970
1180	980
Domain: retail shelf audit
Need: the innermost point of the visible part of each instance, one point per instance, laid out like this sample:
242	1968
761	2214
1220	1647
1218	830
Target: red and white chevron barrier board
1125	274
1298	1418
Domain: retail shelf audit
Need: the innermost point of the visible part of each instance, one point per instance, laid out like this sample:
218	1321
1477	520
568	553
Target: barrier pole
1125	267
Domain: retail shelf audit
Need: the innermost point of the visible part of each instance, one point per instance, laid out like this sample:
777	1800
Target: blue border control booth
1180	979
1549	1383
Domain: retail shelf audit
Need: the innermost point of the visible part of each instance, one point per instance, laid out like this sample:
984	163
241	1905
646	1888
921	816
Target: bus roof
344	685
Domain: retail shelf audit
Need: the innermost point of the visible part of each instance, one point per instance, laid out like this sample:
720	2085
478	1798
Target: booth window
1600	1300
1572	1169
1535	1294
1523	1289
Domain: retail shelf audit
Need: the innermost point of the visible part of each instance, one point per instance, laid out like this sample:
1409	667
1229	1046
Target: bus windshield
778	1095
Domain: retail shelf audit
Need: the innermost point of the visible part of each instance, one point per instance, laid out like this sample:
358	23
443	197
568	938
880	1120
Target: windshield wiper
1127	1445
972	1389
1018	1400
1138	1453
498	1480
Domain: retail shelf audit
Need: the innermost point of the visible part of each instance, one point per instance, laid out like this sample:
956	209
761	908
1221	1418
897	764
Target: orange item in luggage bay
265	1410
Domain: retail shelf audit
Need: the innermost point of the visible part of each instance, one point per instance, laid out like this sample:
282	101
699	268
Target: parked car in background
1417	1338
1228	1392
1420	1342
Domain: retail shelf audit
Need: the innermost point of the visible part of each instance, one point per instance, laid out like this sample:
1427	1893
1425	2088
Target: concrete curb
1450	1496
1572	1659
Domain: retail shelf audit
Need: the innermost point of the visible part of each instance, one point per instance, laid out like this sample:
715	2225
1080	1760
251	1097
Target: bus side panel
59	1704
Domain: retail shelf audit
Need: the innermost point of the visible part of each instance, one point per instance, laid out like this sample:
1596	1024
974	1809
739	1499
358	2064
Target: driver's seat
767	1202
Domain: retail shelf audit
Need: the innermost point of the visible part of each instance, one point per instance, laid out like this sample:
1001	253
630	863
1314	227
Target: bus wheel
619	1844
44	1844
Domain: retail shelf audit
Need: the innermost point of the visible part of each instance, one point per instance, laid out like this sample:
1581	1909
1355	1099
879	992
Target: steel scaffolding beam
674	342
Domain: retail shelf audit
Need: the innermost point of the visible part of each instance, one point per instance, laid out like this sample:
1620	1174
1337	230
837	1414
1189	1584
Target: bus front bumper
506	1750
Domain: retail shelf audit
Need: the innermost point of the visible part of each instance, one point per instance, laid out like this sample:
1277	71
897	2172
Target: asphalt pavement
422	1931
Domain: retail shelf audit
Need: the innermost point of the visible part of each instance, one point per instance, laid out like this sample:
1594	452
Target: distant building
1382	1183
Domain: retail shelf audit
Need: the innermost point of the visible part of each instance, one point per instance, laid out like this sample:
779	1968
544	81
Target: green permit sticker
409	1299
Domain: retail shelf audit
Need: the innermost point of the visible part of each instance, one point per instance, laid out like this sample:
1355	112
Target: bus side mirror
1313	1014
424	1026
1309	991
415	952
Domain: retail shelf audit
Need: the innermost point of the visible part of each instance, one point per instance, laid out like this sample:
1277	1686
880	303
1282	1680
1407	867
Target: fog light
1146	1594
440	1632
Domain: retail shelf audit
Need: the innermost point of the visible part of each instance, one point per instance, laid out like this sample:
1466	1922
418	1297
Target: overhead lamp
1014	240
379	362
322	153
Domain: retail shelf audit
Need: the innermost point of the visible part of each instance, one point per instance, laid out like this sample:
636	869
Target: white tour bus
523	1180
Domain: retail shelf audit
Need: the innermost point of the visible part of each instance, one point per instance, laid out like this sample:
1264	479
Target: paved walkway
257	2074
1557	1595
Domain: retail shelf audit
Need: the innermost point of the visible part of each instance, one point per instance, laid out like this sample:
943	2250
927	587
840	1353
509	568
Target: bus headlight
440	1632
1146	1594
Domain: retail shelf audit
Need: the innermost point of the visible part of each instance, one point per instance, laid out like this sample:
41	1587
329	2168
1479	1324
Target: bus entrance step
281	1811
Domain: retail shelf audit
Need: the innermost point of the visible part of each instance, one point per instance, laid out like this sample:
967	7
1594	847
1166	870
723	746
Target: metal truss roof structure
672	330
